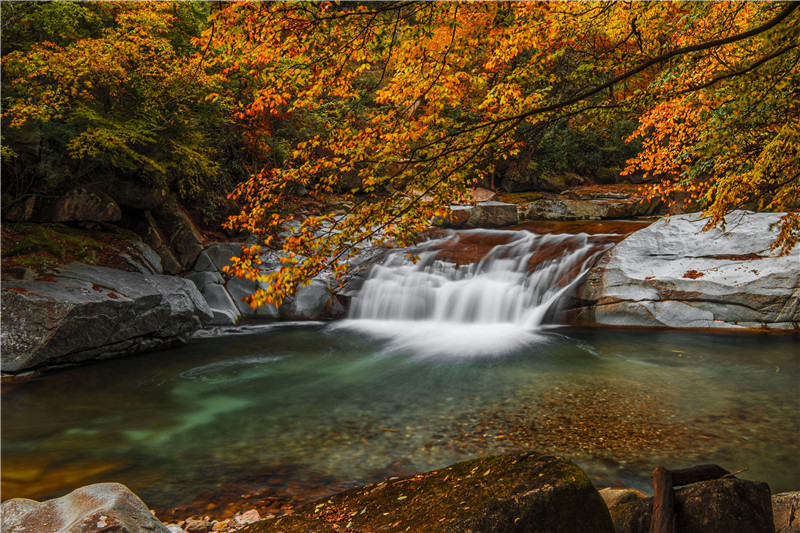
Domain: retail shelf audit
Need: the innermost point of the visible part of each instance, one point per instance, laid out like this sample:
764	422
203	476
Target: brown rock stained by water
106	507
495	494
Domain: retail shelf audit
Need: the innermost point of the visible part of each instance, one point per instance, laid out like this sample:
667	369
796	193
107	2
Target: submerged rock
84	312
719	506
673	274
107	507
494	494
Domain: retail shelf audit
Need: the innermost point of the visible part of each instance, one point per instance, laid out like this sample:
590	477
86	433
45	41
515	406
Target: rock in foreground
496	494
719	506
107	507
673	274
84	312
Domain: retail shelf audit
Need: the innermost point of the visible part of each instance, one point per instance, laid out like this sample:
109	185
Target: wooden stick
697	473
663	520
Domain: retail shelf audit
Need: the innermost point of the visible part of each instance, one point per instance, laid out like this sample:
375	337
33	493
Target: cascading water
472	292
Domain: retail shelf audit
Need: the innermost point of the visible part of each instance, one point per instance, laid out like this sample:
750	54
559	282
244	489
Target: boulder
492	215
457	217
222	305
183	238
79	204
719	506
585	203
313	301
106	507
786	512
201	279
144	224
84	312
219	254
494	494
673	274
479	194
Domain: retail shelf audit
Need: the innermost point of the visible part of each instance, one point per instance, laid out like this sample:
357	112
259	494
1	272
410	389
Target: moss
502	493
43	247
58	241
520	197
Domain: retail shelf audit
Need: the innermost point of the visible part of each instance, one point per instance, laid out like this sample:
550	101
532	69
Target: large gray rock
222	305
719	506
103	507
494	494
220	254
313	301
87	312
672	274
492	215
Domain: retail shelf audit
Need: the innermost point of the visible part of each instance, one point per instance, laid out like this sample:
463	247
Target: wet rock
786	512
85	312
719	506
492	215
197	526
673	274
616	496
106	507
247	517
494	494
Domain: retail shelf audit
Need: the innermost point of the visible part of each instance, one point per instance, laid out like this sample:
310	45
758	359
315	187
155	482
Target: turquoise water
272	415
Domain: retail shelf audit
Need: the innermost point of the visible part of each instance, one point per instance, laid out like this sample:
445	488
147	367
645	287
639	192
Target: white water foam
493	307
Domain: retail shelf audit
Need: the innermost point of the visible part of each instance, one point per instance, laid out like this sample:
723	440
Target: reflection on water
287	413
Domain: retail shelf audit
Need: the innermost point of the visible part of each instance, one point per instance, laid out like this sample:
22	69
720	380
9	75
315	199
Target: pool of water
269	416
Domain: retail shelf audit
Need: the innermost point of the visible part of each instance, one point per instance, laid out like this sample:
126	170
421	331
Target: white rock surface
674	274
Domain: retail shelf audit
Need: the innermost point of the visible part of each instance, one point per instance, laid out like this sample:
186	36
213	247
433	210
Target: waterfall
473	291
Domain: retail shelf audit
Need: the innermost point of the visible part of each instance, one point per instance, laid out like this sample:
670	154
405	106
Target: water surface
274	415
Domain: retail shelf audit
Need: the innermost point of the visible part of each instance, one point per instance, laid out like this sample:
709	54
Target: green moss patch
41	248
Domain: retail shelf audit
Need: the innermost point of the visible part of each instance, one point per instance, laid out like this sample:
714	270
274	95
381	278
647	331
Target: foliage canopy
417	100
395	108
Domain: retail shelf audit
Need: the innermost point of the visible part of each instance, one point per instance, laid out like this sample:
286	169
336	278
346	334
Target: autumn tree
414	101
92	89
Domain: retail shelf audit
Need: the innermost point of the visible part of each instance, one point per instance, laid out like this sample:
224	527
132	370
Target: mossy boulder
718	506
498	494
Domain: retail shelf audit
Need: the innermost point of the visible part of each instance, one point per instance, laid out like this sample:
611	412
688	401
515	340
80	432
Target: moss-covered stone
496	494
41	248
